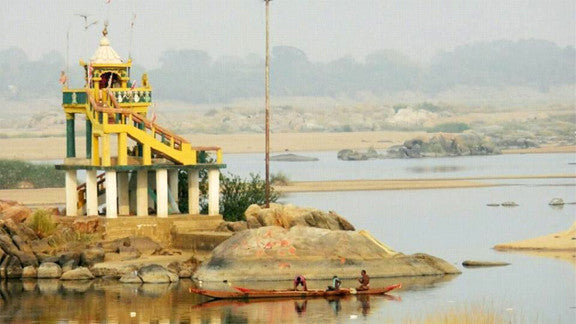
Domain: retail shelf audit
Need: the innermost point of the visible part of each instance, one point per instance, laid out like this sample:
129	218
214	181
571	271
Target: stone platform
187	232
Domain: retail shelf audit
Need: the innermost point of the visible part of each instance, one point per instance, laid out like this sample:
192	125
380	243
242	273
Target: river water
454	224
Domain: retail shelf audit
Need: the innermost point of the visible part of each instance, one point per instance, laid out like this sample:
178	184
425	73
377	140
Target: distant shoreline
54	148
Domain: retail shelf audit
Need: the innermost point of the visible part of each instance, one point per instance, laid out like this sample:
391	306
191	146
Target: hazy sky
324	29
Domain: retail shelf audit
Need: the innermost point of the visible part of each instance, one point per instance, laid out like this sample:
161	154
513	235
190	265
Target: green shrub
279	179
42	222
449	128
13	172
236	194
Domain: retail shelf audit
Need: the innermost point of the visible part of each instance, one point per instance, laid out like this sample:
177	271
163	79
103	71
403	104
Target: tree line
194	76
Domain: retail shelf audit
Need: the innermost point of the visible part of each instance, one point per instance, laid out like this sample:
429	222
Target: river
454	224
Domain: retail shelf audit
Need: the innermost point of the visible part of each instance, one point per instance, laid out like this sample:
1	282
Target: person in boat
364	281
300	280
336	282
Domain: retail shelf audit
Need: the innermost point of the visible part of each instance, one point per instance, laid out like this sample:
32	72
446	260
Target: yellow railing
103	114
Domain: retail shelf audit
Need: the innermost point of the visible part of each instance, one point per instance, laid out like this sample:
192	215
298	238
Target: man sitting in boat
364	281
300	280
336	282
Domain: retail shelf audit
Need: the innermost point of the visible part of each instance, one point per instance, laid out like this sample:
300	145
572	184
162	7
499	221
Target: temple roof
105	53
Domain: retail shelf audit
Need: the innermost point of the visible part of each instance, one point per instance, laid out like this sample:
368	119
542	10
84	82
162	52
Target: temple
132	165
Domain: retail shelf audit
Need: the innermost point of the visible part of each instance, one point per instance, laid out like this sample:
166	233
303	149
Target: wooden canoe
260	293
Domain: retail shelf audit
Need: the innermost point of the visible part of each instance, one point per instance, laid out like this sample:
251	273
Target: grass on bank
15	172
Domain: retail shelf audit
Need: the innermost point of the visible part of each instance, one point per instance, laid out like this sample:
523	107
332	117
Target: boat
246	293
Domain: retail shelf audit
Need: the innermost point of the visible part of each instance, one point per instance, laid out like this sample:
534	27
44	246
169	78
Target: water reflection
103	300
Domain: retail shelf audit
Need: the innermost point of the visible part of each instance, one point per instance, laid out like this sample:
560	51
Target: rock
80	273
289	157
472	263
128	253
276	253
115	270
144	245
42	258
14	269
232	226
69	265
131	277
27	259
91	256
509	204
87	225
70	256
288	216
556	202
17	213
5	204
8	245
351	155
29	272
156	274
4	264
49	270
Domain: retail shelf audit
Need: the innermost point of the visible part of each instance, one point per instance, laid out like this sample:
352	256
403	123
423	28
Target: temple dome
105	53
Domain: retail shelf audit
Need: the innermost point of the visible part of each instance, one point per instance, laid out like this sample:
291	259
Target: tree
236	194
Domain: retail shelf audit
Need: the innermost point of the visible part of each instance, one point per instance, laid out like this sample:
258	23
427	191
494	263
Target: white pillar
71	181
142	193
193	192
213	192
111	194
173	184
162	193
123	198
91	193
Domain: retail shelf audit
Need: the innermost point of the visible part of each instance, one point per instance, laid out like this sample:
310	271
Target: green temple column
88	138
70	140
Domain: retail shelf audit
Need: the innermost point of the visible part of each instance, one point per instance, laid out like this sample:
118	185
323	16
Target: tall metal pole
267	104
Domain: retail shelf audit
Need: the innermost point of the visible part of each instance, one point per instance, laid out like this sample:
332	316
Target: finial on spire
105	31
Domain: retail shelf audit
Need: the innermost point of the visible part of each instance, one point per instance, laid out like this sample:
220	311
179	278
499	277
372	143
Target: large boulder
49	270
17	213
156	274
29	272
80	273
91	256
277	253
288	216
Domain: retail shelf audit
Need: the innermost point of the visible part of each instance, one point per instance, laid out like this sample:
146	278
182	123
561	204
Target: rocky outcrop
277	253
354	155
289	157
475	263
468	143
288	216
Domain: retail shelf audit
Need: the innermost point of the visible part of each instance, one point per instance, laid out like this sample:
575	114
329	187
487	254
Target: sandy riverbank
561	245
54	148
